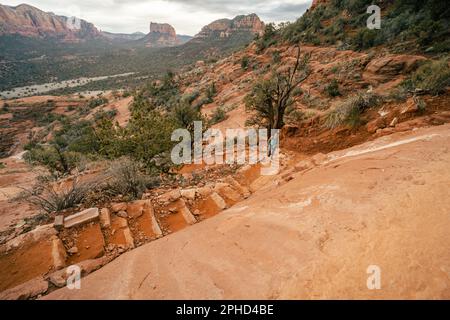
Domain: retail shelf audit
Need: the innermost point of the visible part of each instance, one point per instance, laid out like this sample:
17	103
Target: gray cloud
187	16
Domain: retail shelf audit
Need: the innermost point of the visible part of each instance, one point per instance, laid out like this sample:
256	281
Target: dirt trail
384	203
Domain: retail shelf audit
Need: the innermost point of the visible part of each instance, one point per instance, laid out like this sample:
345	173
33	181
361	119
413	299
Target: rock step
244	191
119	235
81	218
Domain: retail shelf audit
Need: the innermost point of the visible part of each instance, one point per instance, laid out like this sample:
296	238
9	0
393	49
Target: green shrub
96	102
184	116
276	57
189	98
333	89
294	116
211	92
349	111
245	62
127	178
433	77
5	107
218	116
364	39
58	162
268	39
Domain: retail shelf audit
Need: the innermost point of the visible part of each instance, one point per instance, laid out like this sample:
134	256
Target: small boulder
136	208
170	196
188	194
122	214
116	207
203	192
72	251
410	107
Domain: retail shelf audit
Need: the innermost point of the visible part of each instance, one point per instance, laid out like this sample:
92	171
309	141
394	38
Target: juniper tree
270	98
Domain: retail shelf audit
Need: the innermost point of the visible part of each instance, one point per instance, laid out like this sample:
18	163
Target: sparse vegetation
349	112
53	158
407	23
128	178
218	116
432	77
211	92
51	197
333	89
245	62
268	39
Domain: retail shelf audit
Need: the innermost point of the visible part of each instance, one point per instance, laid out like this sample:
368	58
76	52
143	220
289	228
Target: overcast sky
187	16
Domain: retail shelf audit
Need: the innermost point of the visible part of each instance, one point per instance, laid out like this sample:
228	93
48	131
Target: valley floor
383	203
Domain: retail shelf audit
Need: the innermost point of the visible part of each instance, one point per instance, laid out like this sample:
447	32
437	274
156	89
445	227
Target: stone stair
92	238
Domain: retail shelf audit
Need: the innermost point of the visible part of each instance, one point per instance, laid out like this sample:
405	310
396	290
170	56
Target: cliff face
161	35
224	28
29	21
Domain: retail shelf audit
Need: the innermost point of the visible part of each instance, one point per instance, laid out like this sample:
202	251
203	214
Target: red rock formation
225	27
29	21
161	35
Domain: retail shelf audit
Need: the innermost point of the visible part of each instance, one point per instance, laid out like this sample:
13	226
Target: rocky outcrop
161	35
386	68
224	28
29	21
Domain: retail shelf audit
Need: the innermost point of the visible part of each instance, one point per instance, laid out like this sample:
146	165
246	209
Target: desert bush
51	197
432	77
294	116
276	57
245	62
349	111
211	92
58	162
333	89
364	39
219	115
189	98
268	38
128	178
184	115
96	102
5	107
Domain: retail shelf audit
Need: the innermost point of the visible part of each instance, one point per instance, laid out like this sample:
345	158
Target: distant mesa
225	28
163	35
